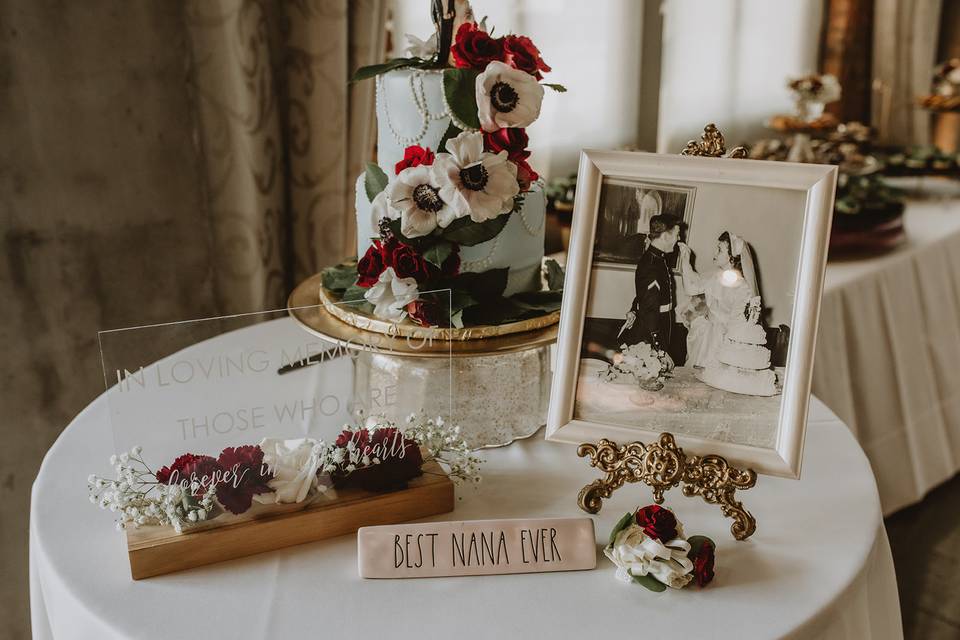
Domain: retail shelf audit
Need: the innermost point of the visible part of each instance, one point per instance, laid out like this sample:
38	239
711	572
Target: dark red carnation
406	262
525	175
360	438
520	53
512	140
244	475
475	49
703	559
371	265
657	522
414	156
400	462
190	468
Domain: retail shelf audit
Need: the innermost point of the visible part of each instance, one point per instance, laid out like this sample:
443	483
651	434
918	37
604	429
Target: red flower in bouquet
414	156
190	468
513	140
427	313
520	53
400	461
657	522
473	48
244	475
371	265
406	262
702	552
525	175
360	438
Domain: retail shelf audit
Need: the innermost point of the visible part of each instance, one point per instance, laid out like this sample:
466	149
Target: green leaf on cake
373	70
483	286
353	293
459	88
339	277
554	274
559	88
544	301
452	132
466	232
649	582
437	253
374	181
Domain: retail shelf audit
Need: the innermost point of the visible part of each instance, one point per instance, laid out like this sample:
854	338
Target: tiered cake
743	361
450	219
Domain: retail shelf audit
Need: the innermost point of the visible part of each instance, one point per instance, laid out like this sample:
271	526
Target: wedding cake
743	360
452	204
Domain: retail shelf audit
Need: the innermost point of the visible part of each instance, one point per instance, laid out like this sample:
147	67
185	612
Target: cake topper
448	15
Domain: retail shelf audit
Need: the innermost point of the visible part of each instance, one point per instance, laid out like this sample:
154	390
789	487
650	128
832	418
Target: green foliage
452	132
459	88
340	277
374	181
559	88
622	524
649	582
437	253
373	70
554	275
468	233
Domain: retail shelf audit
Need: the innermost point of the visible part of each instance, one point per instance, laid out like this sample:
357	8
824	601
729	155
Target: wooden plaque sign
476	547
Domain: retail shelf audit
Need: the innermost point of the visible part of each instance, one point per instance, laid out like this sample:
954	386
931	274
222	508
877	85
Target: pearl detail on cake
483	263
419	97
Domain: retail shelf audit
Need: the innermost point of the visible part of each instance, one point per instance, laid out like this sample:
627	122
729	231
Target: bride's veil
740	248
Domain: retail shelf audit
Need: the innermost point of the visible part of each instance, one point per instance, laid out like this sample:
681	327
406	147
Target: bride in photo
725	291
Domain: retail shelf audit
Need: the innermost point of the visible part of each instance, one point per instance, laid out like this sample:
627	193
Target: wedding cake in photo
743	360
452	205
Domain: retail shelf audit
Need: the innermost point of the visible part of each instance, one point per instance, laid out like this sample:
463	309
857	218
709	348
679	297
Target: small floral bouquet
195	488
649	548
639	362
946	78
815	88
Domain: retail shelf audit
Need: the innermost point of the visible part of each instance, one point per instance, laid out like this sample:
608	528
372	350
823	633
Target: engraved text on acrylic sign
478	547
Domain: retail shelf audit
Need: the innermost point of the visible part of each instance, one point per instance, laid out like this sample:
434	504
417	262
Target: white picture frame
814	186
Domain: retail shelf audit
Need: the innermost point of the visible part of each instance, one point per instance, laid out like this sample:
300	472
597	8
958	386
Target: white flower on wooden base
294	465
474	182
391	294
637	554
507	97
416	195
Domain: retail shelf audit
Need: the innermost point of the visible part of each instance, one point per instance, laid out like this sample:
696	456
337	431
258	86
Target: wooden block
478	547
154	551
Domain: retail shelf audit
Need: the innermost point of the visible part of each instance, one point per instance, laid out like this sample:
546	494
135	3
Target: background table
888	354
818	567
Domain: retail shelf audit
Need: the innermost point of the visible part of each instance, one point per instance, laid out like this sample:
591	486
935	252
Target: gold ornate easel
663	465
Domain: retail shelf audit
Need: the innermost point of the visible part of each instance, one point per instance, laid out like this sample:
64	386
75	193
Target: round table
819	565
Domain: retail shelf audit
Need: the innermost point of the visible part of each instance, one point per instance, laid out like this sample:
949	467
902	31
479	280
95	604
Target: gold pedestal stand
662	465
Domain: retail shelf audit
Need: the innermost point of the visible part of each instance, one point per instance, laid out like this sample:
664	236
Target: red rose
371	265
393	471
407	262
360	438
427	313
474	48
525	175
414	156
520	53
703	556
244	475
190	468
512	140
657	522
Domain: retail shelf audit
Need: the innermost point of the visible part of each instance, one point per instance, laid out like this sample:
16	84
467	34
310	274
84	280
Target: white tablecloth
819	565
888	352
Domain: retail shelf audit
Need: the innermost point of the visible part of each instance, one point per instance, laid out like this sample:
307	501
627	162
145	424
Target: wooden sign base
155	551
662	465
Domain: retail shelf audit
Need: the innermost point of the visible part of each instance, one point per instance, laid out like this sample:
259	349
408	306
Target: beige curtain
904	53
283	137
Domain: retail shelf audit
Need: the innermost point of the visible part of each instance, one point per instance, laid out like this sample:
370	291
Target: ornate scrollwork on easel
712	145
663	465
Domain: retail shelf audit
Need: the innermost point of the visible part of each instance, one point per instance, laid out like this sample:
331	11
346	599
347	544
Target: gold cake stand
314	309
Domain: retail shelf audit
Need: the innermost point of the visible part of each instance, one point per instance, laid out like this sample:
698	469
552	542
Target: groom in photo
651	316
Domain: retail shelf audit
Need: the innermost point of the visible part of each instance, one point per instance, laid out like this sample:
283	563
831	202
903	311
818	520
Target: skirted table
819	565
887	353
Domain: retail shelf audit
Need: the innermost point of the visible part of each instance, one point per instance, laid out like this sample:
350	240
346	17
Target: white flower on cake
474	182
294	464
637	554
381	209
391	294
423	49
416	194
507	97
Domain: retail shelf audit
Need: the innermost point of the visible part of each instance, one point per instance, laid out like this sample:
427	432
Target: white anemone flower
381	209
474	182
391	294
416	195
507	97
